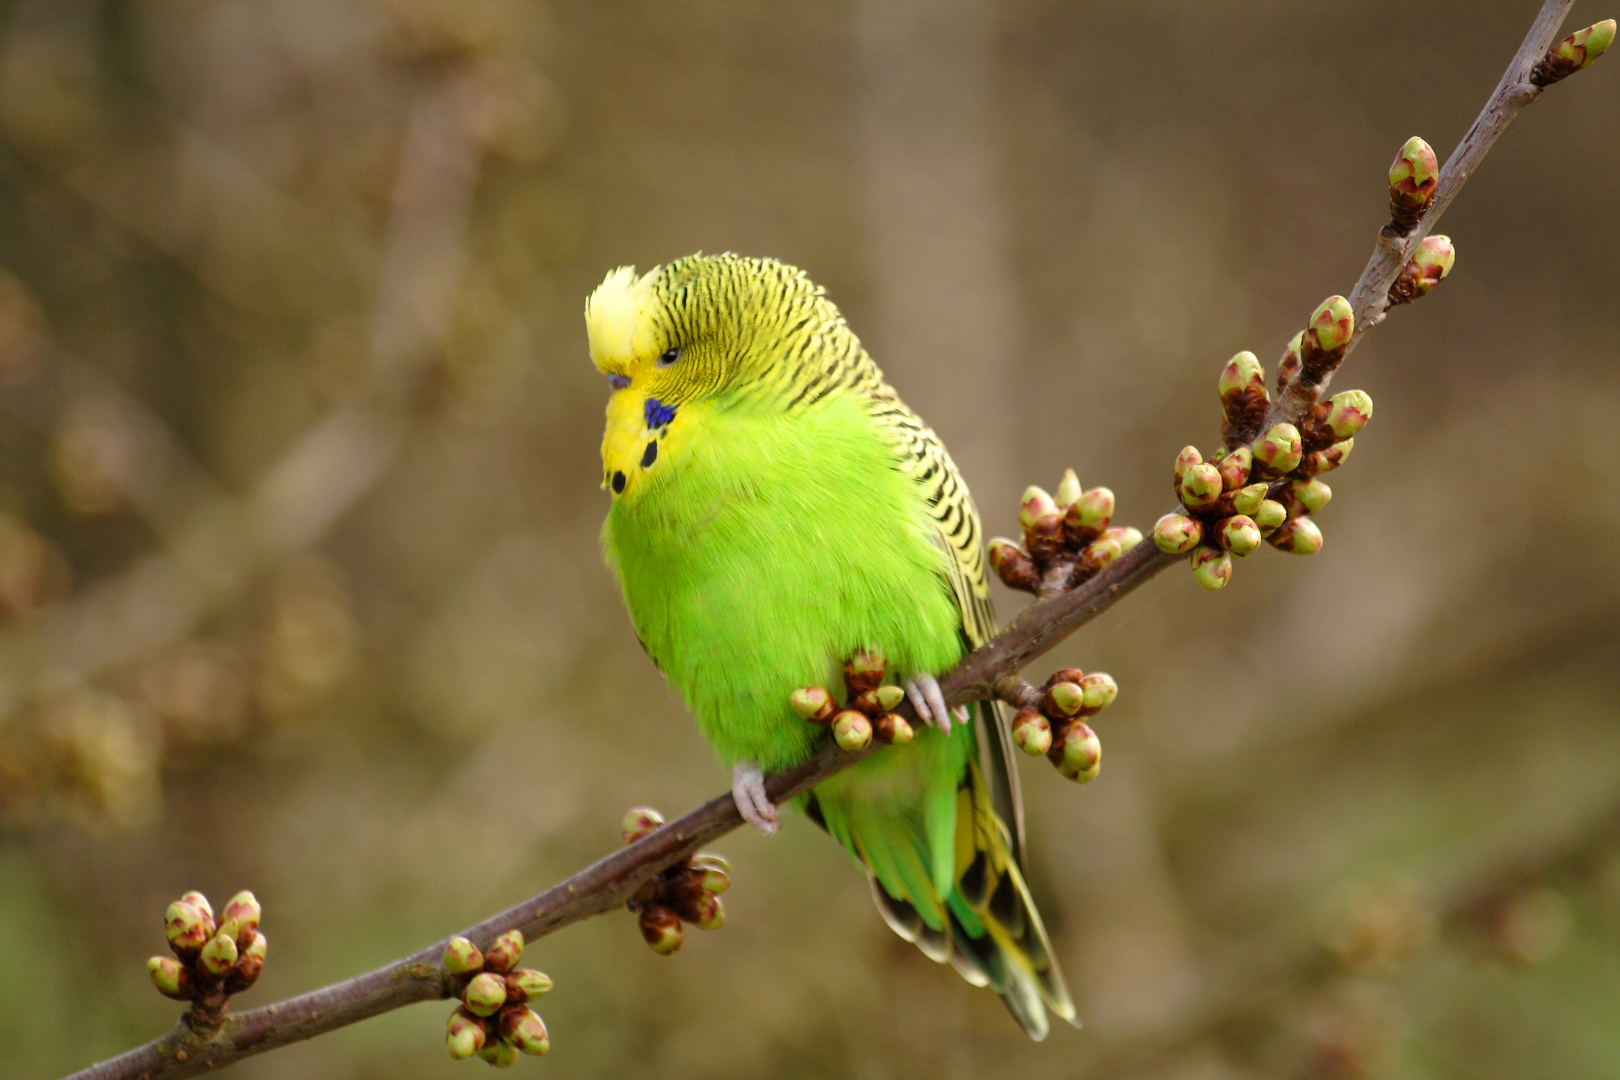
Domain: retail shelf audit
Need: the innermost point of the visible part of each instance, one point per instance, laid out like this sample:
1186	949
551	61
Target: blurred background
299	510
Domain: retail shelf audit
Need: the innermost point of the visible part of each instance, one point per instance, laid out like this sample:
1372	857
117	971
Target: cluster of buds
1067	539
212	960
1264	485
868	714
1573	53
688	891
494	1020
1052	720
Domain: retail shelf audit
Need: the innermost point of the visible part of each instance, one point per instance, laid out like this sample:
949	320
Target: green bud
1325	460
1200	487
1234	468
640	821
1269	515
813	703
526	984
187	927
1064	699
218	955
1332	324
1247	500
1128	536
1278	450
465	1035
1100	553
1038	513
485	994
1288	366
249	962
1091	511
1212	568
660	928
1031	732
1574	53
1068	490
1239	535
1303	497
892	728
243	914
1349	412
852	730
708	860
713	879
200	902
171	977
499	1053
1412	179
1082	754
1185	460
864	670
504	952
522	1027
1177	534
1297	536
890	697
1431	261
1241	373
1100	690
1013	565
711	913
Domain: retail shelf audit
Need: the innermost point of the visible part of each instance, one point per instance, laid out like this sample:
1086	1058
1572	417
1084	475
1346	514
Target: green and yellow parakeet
776	508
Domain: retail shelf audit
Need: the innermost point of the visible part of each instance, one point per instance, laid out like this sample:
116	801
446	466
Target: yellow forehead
618	319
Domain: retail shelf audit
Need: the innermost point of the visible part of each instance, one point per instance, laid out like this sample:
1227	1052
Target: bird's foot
748	789
923	691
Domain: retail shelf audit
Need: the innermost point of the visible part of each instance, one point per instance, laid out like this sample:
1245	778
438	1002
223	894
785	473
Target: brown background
298	476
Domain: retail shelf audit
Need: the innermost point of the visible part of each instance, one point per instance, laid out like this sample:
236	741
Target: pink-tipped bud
1212	568
1068	490
712	879
1332	324
218	956
522	1027
504	952
242	913
188	928
1288	366
198	901
1431	261
890	697
1574	53
1082	754
1325	460
863	671
1247	500
485	994
1031	732
1185	460
661	928
852	730
527	984
1100	553
1242	373
1302	497
465	1035
171	977
1297	536
1177	534
1269	515
1234	468
498	1052
640	821
1349	412
1278	450
1100	690
813	703
1063	700
1412	180
709	913
1239	535
1127	537
1200	487
1013	565
1090	513
1038	513
892	728
249	963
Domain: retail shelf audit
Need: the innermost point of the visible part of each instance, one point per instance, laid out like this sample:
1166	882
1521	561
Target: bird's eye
669	357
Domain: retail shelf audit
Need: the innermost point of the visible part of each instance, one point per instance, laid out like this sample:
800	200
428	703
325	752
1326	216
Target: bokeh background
300	586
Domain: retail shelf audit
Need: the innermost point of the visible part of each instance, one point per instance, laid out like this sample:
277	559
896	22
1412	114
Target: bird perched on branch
776	508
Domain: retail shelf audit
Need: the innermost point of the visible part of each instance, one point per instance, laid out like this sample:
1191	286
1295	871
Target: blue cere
657	414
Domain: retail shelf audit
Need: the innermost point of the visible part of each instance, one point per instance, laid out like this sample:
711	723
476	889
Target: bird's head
702	332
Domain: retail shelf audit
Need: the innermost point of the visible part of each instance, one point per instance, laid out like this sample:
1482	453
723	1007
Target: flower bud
200	902
249	962
1064	699
1068	490
640	821
1324	460
1303	497
499	1053
660	928
1242	373
1239	535
1031	732
1269	516
187	927
1100	690
1091	511
864	670
1082	754
1431	261
1412	179
1185	460
526	984
1278	450
1038	514
1099	554
1177	534
1013	565
708	860
522	1027
1212	568
1288	366
1247	500
243	914
892	728
710	913
485	994
890	697
714	879
1349	412
465	1035
813	703
1331	325
1574	53
171	977
852	730
218	956
1297	536
1234	468
504	952
1127	537
1200	487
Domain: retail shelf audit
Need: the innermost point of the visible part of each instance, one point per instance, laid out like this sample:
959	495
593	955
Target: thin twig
610	882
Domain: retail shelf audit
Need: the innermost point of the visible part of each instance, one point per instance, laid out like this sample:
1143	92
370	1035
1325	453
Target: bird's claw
748	790
923	692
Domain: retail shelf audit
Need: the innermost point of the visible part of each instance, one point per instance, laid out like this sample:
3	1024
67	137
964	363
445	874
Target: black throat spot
618	482
649	455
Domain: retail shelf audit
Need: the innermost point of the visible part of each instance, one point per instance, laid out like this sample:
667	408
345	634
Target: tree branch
610	882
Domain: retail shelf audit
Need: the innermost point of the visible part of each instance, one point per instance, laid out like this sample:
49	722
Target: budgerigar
776	507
